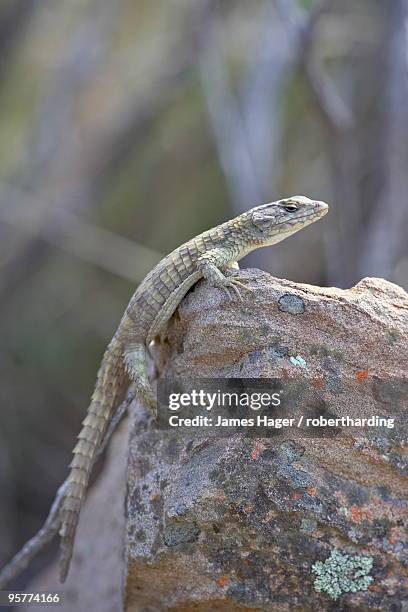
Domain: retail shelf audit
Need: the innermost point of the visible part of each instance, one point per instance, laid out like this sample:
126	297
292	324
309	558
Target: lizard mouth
313	213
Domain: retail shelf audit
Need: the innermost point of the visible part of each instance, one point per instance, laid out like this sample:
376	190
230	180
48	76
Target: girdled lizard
211	255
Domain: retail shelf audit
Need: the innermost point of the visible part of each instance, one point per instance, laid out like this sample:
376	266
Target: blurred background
128	127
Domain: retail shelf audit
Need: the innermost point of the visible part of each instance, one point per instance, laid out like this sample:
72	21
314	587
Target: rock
237	523
95	578
287	522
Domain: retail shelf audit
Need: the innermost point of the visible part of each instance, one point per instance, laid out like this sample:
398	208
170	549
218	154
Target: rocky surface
241	523
236	523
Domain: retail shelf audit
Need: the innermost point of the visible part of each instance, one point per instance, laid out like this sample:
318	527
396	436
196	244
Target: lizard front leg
232	268
212	265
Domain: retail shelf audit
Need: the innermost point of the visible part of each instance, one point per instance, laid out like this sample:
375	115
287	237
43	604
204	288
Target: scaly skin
210	255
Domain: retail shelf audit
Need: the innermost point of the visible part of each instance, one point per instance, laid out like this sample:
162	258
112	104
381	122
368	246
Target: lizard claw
232	272
235	285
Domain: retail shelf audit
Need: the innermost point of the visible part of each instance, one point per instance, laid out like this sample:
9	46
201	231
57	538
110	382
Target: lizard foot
232	272
147	398
235	285
135	362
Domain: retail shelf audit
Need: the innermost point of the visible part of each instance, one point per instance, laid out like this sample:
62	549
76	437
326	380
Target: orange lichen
223	581
312	491
361	374
257	449
360	514
356	514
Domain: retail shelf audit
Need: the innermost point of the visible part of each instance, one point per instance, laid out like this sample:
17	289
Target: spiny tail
109	386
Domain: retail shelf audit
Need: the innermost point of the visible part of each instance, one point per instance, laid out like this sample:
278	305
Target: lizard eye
290	207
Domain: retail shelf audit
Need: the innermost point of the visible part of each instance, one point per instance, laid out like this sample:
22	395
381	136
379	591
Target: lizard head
271	223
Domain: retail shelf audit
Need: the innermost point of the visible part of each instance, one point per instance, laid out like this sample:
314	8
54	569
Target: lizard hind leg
135	355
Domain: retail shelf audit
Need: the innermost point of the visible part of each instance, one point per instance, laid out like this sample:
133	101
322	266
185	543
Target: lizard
212	255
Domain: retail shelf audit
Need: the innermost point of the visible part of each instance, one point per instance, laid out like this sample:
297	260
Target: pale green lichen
342	573
298	361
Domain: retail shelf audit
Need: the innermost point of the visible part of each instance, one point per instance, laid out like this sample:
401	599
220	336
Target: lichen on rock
341	573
